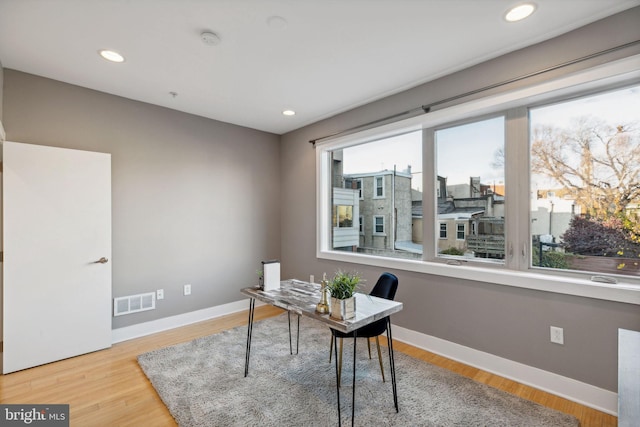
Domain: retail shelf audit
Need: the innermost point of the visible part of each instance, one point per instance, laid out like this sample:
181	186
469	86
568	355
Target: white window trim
464	230
361	189
627	290
361	224
446	231
384	226
375	187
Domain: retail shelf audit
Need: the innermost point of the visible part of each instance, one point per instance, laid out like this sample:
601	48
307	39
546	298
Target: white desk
628	378
301	298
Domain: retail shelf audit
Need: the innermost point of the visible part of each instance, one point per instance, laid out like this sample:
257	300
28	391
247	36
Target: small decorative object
271	274
323	306
342	287
260	274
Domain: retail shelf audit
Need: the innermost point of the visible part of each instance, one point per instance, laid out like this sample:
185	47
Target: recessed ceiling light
289	113
111	55
520	12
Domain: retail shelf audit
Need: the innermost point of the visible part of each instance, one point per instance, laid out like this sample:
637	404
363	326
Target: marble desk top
302	297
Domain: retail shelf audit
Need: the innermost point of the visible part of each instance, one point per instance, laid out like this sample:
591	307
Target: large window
585	183
470	167
543	181
385	178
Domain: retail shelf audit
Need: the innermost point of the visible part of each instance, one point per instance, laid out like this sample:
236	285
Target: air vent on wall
134	303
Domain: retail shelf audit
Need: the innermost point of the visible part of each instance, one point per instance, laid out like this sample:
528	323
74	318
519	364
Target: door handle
102	260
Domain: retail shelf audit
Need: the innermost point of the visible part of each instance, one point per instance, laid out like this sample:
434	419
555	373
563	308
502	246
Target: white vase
343	309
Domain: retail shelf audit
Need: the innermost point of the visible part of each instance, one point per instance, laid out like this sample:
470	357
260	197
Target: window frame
337	216
375	187
464	230
443	230
375	224
516	271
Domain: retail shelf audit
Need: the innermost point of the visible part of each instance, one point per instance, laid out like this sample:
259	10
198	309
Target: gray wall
508	322
1	88
193	200
1	96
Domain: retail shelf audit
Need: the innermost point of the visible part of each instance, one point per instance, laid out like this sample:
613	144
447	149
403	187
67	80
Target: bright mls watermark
34	415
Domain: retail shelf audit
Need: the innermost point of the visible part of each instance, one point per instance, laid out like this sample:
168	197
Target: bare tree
597	163
498	159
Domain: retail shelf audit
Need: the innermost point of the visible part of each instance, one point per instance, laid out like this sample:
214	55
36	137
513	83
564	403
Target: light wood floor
108	388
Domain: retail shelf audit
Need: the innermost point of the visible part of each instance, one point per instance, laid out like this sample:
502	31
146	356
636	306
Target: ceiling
318	58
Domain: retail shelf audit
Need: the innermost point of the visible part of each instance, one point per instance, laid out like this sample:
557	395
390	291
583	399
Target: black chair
385	287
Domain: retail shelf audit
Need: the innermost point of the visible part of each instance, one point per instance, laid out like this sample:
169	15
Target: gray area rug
202	383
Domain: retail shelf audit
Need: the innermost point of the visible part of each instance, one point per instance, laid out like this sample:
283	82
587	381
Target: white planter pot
343	309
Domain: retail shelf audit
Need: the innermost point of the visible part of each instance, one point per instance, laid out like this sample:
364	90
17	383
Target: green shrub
550	259
452	251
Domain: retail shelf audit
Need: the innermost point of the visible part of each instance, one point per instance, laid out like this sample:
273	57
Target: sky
469	150
402	150
605	106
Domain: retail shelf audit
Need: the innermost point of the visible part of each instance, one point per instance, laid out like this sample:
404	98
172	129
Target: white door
56	227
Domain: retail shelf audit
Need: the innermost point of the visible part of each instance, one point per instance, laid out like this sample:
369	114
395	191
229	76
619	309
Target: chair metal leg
380	359
338	363
368	345
331	348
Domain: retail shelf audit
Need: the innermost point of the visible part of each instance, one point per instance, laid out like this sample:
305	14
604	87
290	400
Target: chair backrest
386	286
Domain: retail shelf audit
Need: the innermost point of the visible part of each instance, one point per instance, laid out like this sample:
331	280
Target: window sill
625	292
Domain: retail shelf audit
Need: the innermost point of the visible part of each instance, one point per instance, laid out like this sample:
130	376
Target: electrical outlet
187	289
557	335
160	294
311	278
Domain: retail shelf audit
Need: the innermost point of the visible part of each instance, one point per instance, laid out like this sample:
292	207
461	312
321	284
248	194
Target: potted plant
341	288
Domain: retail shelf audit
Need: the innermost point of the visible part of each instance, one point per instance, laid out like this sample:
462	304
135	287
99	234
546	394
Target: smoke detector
210	38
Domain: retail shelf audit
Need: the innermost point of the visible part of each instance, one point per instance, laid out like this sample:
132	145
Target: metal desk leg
335	359
392	363
297	333
252	306
353	396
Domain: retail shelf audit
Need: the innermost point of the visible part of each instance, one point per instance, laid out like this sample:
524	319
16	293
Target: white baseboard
166	323
576	391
